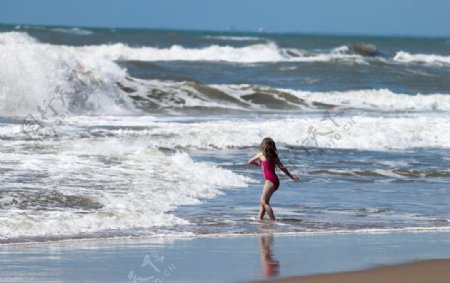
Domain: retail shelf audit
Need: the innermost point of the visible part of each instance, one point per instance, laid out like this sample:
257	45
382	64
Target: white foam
346	130
248	54
74	30
234	38
38	75
377	99
138	192
139	186
406	57
254	53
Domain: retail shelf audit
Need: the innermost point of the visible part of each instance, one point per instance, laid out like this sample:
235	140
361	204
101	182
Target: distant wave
264	51
248	54
75	31
378	99
255	53
68	30
87	77
28	27
406	57
233	38
155	95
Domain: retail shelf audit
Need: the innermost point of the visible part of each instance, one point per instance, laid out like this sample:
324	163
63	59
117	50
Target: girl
268	158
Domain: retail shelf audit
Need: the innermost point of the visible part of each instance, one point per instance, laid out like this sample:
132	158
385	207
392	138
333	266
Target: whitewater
135	133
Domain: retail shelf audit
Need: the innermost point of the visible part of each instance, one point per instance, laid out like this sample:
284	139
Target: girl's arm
286	171
254	159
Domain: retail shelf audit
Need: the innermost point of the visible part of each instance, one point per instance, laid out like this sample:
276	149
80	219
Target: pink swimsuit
268	169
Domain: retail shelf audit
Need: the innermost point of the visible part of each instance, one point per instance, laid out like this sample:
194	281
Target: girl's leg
262	211
268	190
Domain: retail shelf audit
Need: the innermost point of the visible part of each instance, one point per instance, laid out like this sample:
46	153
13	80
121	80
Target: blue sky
382	17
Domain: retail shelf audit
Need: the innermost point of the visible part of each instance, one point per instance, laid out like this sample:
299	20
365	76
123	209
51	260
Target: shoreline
436	271
180	237
215	259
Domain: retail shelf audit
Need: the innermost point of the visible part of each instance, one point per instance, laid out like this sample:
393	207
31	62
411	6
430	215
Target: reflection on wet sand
271	267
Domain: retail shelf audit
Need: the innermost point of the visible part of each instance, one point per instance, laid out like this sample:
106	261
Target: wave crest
35	74
432	59
154	95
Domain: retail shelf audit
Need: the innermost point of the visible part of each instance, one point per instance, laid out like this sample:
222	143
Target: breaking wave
56	79
432	59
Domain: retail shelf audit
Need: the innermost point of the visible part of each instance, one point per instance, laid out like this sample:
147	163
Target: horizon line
232	30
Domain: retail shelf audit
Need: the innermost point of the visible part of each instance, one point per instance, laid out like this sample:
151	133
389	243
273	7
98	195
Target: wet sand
432	271
230	259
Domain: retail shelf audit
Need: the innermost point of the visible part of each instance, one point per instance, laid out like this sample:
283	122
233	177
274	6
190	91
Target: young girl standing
268	158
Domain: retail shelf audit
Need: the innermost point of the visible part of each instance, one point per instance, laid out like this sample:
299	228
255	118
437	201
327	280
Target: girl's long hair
268	149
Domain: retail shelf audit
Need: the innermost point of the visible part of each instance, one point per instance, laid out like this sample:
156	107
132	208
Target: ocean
146	133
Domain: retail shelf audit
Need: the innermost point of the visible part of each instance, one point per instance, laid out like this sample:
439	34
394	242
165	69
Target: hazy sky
385	17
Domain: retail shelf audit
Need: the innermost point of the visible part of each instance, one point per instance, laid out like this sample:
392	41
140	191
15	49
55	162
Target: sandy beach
433	271
231	259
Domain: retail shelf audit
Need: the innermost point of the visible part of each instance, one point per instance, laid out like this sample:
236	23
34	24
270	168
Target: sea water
112	133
